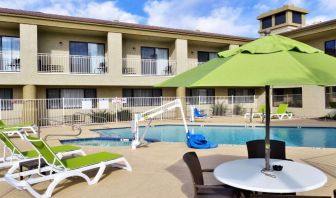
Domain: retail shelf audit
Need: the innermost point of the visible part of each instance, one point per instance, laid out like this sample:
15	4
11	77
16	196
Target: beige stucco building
53	56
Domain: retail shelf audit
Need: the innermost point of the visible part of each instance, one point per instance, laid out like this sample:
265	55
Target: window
330	97
203	57
200	96
87	57
155	61
280	18
142	97
9	53
330	47
72	98
266	22
6	96
290	96
241	95
296	17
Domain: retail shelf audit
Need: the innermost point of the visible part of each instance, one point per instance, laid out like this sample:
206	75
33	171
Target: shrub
101	116
330	116
219	109
124	115
238	110
332	105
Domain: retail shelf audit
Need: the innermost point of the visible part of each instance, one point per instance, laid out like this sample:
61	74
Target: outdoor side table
246	174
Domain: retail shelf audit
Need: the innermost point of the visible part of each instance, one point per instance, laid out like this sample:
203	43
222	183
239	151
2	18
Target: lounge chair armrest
207	170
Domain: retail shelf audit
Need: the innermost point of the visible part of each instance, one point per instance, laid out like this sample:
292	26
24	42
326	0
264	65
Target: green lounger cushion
88	160
55	149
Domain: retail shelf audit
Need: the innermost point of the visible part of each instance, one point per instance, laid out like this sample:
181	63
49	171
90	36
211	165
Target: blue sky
235	17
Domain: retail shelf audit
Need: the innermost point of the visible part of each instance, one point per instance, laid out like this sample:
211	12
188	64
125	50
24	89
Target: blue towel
198	141
198	114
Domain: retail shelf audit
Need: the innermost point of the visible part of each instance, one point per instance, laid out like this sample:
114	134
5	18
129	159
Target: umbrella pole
267	127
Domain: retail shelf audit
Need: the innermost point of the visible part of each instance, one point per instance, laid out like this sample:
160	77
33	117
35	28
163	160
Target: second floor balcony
148	67
71	64
9	61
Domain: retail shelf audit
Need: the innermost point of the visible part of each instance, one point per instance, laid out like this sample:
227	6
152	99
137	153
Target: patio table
246	174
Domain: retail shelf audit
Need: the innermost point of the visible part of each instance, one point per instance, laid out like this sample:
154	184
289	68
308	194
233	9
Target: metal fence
148	67
101	110
75	64
9	61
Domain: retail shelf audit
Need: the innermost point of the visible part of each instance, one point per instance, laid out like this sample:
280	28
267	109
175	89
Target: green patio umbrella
267	61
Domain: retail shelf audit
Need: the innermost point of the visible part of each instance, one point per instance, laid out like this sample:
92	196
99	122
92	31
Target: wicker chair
202	190
256	149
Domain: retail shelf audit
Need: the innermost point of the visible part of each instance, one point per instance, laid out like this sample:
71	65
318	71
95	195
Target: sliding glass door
9	53
154	61
87	57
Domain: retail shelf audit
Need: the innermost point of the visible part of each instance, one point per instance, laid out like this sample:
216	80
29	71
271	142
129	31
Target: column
181	54
29	109
232	46
28	52
114	53
181	94
313	101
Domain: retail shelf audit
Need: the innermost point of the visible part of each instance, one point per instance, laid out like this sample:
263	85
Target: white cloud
184	14
316	19
101	10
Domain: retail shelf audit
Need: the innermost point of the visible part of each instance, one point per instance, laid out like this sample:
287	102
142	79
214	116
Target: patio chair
200	189
17	129
196	113
18	155
259	113
256	149
281	112
60	169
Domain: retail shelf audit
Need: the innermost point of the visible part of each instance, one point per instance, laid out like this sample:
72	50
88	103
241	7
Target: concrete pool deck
158	170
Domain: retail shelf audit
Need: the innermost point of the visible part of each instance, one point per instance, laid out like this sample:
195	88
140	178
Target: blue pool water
293	136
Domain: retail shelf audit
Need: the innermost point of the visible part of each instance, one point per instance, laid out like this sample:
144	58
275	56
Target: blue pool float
198	141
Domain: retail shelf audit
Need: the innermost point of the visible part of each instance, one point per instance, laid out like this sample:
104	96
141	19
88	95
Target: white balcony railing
61	63
9	61
148	67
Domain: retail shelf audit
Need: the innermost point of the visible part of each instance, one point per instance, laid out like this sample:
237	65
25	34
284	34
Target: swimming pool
293	136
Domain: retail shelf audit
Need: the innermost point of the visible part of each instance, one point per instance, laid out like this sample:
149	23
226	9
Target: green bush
219	109
238	110
101	116
124	115
330	116
332	105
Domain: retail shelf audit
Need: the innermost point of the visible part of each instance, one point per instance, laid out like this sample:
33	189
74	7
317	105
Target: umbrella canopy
271	60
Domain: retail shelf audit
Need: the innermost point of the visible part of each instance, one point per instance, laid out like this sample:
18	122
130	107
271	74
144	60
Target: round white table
246	174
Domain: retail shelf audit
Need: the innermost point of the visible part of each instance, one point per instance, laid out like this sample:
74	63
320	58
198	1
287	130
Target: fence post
63	110
232	105
255	102
116	111
161	106
199	102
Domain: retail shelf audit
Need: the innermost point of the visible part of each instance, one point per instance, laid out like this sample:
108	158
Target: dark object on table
277	167
202	190
256	149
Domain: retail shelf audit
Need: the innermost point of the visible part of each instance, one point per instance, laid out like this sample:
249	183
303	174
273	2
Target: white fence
62	63
148	67
9	61
100	110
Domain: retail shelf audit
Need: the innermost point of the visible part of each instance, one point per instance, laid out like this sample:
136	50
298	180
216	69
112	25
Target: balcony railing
9	61
148	67
73	64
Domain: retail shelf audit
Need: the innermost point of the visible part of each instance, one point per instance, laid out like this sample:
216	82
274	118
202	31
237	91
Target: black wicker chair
202	190
256	149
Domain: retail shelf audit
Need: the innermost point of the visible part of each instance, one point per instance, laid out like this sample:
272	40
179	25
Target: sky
233	17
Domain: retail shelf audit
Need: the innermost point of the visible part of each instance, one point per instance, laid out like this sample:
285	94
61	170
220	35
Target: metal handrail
74	127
